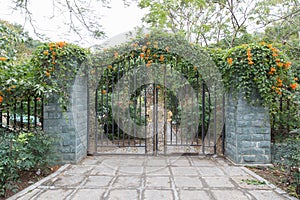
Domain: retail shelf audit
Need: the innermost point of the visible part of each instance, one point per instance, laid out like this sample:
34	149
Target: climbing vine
258	69
56	65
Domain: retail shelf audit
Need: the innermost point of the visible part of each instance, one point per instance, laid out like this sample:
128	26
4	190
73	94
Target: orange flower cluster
287	65
149	63
274	50
229	60
294	85
279	82
3	58
250	62
272	70
161	58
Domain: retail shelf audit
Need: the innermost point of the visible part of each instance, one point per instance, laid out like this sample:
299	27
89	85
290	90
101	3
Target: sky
118	19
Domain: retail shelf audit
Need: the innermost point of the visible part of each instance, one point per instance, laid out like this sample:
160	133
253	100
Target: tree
206	22
80	16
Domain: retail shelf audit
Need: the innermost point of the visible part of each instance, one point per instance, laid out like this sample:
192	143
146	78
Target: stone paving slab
132	177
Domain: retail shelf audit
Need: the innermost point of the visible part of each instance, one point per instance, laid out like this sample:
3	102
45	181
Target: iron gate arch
152	106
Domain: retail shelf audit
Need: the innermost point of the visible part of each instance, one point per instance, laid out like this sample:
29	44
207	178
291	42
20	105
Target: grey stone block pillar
69	129
248	132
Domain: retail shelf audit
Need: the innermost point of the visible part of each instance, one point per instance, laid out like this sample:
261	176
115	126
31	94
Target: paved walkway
155	178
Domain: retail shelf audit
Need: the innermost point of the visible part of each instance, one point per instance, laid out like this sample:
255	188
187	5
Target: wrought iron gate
148	117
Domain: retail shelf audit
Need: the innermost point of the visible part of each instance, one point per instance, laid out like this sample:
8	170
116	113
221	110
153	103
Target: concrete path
155	178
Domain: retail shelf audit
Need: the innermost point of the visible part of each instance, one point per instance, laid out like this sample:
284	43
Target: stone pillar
248	132
69	129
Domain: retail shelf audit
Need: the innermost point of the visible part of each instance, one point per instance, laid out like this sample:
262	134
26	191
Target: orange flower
3	58
47	74
167	49
53	62
161	58
274	54
103	92
279	64
295	79
158	86
46	53
144	48
148	43
287	64
279	80
61	44
142	55
195	68
277	60
148	51
273	87
109	67
1	99
270	46
148	64
147	35
251	62
229	60
272	70
278	90
294	85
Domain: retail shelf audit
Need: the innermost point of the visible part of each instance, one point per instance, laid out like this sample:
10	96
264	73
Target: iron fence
22	115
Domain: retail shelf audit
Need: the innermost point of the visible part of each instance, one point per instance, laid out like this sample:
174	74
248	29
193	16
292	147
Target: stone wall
248	132
69	129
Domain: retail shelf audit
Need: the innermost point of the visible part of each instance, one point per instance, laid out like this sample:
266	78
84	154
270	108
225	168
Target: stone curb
40	182
278	190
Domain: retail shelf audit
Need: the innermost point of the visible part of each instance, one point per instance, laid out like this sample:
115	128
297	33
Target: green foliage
258	68
19	152
55	66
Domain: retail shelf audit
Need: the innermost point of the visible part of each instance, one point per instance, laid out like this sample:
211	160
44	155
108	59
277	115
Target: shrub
19	152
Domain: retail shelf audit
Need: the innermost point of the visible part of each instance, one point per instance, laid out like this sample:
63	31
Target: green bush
21	152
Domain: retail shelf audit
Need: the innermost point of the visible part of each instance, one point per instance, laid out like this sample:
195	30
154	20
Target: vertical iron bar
215	124
203	116
197	98
223	123
118	110
35	112
102	119
15	115
129	108
42	113
112	105
21	117
28	113
97	115
107	106
156	118
134	102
